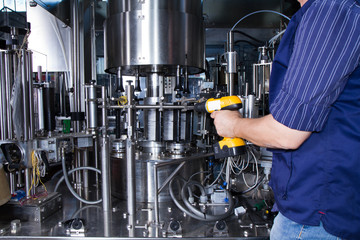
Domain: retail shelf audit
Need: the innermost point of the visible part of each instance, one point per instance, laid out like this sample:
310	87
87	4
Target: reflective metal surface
145	176
143	34
98	225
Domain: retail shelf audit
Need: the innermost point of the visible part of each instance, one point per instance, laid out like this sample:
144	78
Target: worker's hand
225	122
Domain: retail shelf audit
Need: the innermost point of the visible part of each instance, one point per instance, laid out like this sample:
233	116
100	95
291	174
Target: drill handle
232	142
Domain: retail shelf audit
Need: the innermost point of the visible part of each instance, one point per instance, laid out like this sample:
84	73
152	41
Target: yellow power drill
227	147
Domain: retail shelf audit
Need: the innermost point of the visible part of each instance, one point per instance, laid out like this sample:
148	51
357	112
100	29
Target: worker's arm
265	131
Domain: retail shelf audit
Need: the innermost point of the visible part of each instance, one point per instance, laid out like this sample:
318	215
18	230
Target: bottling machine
109	145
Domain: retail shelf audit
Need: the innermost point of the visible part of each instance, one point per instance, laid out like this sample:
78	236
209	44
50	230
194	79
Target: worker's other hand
225	122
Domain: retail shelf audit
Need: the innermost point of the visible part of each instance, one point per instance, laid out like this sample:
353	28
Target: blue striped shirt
326	52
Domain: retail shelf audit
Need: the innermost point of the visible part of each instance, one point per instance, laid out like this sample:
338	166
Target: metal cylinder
253	108
92	106
105	156
31	96
152	120
25	92
9	82
40	103
130	159
176	36
3	99
105	173
145	180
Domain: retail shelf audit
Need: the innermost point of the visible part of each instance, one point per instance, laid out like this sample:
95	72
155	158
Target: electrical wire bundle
38	169
237	166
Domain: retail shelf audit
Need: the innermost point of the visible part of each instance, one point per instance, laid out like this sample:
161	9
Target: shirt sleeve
326	51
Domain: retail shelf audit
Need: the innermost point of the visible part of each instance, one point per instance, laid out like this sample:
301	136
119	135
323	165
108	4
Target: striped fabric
326	52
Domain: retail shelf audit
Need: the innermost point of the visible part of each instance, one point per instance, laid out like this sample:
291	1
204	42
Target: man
314	125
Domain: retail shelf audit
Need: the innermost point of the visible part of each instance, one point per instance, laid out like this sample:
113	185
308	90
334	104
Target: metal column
130	162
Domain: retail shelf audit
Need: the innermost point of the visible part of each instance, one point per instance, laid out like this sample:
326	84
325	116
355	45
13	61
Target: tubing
261	11
182	208
201	214
192	211
68	184
70	172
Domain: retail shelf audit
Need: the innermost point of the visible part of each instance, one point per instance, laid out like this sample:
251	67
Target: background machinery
100	130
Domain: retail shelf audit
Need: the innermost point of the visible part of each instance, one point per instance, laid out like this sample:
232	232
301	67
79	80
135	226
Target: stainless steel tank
160	34
145	175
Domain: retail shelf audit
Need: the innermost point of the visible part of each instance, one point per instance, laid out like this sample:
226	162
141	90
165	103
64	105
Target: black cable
245	41
248	36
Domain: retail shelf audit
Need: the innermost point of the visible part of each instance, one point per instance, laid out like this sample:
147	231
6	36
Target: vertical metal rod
231	84
96	158
3	101
93	42
27	181
107	224
78	177
9	81
31	96
156	195
105	156
76	61
25	91
12	183
86	173
40	104
130	162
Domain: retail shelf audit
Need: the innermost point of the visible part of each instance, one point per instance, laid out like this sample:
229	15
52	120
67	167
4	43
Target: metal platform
91	223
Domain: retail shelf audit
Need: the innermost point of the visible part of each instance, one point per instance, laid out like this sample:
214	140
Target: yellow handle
231	142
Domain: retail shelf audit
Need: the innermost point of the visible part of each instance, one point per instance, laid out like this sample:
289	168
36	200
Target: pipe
180	107
41	121
3	98
105	176
93	42
130	162
31	97
9	82
105	156
86	173
25	92
28	183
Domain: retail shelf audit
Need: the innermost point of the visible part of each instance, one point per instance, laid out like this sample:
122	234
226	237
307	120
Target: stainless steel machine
109	144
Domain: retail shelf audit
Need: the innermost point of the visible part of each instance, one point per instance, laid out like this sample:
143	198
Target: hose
181	207
74	170
248	36
261	11
198	212
68	184
82	209
193	212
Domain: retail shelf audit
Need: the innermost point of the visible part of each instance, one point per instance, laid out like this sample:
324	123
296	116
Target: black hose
248	36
